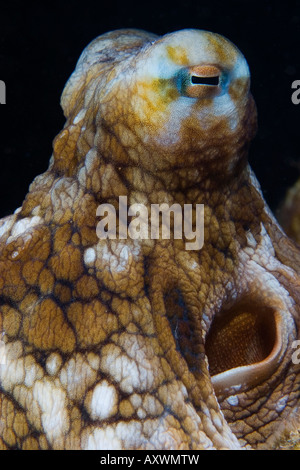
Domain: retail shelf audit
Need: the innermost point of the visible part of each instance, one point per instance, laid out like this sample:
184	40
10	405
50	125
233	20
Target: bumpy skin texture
289	212
142	344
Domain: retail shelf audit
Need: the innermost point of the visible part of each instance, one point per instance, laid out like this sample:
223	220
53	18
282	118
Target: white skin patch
216	419
141	413
90	159
260	263
193	264
103	401
281	404
121	436
94	361
25	224
77	376
33	372
224	106
136	369
82	176
151	405
251	240
51	401
117	258
120	367
22	227
233	400
135	400
124	253
89	256
79	116
168	437
148	365
120	260
103	439
53	363
12	372
6	224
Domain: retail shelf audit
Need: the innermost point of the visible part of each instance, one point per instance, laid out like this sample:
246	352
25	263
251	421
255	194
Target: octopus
288	212
141	343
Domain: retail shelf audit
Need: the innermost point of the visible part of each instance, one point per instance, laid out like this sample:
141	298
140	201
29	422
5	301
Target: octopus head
181	100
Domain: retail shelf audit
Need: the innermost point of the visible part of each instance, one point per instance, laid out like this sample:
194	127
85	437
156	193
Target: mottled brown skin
289	212
125	343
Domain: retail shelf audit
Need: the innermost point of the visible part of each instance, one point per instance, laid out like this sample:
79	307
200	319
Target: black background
40	44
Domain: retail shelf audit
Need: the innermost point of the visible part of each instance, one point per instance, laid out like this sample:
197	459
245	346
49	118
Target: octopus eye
211	81
200	81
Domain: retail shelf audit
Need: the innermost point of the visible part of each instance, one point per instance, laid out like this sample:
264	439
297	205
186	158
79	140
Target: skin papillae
141	343
289	212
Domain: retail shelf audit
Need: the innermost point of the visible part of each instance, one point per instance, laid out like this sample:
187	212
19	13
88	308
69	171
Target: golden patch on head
220	45
178	55
165	89
237	87
156	95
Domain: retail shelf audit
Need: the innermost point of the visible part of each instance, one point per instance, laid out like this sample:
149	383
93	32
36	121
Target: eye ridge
210	81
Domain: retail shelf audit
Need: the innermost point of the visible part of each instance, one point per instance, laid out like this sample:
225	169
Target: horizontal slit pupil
213	81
